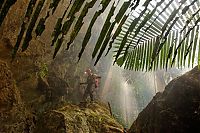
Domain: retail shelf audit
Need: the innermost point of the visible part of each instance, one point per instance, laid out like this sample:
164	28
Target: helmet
88	71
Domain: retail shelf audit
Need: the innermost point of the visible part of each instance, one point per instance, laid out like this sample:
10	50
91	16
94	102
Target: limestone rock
176	110
92	118
12	112
9	95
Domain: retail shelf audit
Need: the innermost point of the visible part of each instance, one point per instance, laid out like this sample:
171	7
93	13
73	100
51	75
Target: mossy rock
94	118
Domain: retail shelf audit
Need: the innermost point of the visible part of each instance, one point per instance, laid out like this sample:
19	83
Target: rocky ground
83	118
176	110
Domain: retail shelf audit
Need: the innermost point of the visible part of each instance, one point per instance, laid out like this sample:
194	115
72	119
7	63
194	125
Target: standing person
92	80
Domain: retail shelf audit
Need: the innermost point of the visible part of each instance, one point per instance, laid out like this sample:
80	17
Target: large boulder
9	95
13	115
85	118
176	110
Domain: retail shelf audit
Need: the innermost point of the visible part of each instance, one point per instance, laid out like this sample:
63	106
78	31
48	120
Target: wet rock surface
84	118
176	110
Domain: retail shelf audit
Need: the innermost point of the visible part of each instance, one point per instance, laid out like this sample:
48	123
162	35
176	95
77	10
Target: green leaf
28	13
5	9
120	61
54	5
104	30
34	18
58	45
196	43
80	22
89	30
58	27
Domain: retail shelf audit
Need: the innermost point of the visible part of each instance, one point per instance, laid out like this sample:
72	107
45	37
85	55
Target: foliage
161	46
163	35
34	18
27	16
43	70
80	22
5	8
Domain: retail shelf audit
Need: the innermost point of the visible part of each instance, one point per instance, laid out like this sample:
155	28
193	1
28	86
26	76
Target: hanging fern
131	28
163	51
67	24
163	35
104	30
1	4
86	39
54	5
79	22
41	25
5	9
27	16
28	36
57	29
117	32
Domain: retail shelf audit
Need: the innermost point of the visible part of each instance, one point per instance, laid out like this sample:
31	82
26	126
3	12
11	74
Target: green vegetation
54	5
79	22
104	30
151	40
89	30
43	70
29	11
36	14
41	25
67	24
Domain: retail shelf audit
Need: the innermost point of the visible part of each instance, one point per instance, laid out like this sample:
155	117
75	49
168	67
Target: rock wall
13	114
176	110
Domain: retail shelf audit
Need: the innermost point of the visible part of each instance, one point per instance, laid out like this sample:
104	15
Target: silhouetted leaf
86	39
57	29
80	22
27	16
34	18
1	4
104	30
5	9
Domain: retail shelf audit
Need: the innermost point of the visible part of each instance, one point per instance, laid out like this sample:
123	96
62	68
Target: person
92	80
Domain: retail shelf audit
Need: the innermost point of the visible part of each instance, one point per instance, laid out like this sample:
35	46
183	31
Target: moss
43	70
93	118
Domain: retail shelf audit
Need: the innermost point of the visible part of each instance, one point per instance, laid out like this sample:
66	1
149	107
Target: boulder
176	110
85	118
12	111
